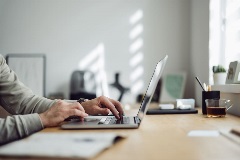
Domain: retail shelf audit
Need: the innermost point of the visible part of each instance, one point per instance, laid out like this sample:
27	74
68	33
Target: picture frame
30	69
173	87
233	75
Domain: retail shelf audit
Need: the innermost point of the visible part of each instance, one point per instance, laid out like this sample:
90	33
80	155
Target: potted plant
219	74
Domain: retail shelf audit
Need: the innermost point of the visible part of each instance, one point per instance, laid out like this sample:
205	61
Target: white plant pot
219	78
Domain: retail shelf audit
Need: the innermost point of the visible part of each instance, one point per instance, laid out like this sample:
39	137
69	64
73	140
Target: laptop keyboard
113	120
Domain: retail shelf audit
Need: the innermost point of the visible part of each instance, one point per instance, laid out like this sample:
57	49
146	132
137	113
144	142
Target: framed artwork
30	69
173	87
233	75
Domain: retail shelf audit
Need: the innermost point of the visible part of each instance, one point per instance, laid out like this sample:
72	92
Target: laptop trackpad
91	120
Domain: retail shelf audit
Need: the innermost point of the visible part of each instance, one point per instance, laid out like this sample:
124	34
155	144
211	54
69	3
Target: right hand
103	105
61	110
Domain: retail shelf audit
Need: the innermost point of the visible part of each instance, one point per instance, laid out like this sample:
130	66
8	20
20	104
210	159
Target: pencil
200	83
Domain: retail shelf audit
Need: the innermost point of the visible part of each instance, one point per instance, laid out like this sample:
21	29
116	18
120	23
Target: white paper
75	145
203	133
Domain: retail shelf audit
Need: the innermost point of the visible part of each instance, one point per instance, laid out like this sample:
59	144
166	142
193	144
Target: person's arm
17	99
18	126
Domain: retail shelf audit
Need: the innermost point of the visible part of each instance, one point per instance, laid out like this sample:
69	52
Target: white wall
200	44
68	30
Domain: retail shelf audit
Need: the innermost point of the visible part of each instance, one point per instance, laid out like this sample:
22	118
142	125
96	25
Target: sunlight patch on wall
136	45
136	17
136	74
136	31
94	61
135	49
91	57
136	59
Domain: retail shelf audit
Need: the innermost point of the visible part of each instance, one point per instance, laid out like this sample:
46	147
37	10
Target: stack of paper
62	145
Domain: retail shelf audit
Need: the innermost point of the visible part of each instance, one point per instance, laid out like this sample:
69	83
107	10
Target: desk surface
165	137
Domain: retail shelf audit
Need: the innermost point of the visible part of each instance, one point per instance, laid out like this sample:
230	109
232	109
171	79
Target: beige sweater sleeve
19	100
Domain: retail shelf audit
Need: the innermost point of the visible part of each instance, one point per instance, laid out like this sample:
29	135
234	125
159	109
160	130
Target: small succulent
218	69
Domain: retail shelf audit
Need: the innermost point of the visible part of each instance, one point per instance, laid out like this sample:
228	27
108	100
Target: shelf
227	88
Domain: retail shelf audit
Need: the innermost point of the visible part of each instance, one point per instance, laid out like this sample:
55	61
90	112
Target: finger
118	106
77	105
103	100
82	119
77	112
103	111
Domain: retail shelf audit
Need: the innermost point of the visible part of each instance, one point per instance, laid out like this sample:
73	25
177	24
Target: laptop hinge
137	120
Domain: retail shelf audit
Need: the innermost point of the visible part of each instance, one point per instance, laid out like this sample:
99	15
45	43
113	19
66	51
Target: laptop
126	121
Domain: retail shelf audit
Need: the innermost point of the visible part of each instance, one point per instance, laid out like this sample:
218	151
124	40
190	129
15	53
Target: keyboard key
113	120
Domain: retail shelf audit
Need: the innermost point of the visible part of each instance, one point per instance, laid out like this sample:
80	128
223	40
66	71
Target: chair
83	85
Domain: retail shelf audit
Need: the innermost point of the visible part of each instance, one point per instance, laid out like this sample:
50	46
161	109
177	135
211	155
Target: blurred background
109	41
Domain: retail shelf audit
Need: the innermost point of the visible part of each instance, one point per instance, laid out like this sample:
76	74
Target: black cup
208	95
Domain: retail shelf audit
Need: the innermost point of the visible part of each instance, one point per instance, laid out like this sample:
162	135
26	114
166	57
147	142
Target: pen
205	87
200	83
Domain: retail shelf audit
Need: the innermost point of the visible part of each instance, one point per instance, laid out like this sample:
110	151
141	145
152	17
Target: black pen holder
208	95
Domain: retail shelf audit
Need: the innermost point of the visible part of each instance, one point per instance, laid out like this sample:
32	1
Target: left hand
103	105
61	110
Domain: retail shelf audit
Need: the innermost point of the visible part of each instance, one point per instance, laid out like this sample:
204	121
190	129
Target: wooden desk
165	137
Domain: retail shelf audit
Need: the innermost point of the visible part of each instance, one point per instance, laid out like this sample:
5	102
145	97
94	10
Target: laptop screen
151	87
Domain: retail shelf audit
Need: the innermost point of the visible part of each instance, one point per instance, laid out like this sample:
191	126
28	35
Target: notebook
126	121
61	146
172	111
